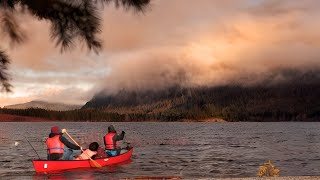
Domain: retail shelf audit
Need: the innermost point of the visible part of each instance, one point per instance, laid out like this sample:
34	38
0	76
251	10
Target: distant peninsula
44	105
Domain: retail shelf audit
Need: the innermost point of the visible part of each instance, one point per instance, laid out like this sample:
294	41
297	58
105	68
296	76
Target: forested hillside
295	99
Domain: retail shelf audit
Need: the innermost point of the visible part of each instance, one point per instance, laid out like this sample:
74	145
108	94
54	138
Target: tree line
231	103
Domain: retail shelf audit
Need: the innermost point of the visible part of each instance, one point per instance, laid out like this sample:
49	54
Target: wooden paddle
95	163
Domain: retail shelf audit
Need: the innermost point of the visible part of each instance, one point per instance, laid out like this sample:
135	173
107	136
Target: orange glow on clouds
205	42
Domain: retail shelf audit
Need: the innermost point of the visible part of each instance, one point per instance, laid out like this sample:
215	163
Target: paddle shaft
72	139
94	162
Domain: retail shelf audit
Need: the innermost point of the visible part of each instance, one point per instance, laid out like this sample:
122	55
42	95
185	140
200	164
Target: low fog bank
183	80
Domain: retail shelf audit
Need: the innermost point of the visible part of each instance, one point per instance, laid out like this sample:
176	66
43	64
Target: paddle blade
94	163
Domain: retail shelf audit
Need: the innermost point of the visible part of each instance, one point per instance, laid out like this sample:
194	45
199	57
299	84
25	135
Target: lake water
187	150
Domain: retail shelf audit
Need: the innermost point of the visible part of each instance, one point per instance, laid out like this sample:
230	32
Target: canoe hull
42	166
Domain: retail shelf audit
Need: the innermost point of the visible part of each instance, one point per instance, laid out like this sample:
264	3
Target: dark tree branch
4	76
70	20
137	5
8	4
11	28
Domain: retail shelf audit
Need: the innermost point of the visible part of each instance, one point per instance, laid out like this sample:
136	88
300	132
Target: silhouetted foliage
4	77
74	115
70	21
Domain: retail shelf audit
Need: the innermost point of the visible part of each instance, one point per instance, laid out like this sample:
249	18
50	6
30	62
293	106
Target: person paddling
58	146
111	141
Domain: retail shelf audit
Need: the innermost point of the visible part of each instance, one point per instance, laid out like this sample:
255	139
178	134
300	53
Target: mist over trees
296	99
71	22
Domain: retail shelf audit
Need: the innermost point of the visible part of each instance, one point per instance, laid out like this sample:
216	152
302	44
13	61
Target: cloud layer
191	43
211	43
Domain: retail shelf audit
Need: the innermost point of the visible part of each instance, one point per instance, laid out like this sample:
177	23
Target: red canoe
42	166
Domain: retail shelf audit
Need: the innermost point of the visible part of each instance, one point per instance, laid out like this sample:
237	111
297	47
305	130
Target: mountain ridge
290	96
294	98
44	105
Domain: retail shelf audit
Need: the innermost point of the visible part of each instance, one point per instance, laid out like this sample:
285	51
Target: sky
184	42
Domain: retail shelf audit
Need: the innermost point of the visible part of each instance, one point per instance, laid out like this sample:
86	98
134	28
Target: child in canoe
94	152
89	153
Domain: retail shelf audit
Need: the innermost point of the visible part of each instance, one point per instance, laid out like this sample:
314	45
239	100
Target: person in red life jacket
111	141
91	152
58	146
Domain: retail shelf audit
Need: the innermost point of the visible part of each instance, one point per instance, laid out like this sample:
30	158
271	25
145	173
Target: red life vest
55	145
109	142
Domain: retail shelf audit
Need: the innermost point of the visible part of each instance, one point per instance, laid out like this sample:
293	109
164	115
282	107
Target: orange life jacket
55	145
83	156
109	142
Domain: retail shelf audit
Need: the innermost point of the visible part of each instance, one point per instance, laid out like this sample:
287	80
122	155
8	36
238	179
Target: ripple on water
189	150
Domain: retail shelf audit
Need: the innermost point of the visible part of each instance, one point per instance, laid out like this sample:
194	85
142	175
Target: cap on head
111	129
55	130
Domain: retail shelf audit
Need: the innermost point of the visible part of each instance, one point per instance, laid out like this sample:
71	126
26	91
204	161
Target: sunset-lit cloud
185	42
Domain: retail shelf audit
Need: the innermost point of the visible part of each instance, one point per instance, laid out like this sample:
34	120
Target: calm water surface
188	150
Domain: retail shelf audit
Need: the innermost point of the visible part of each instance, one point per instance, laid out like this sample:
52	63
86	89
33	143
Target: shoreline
268	178
204	120
16	118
